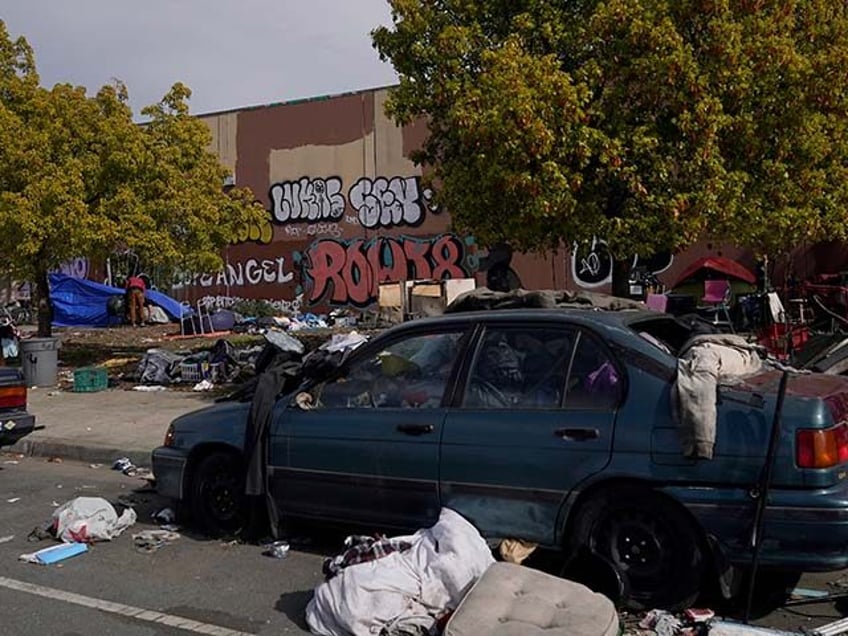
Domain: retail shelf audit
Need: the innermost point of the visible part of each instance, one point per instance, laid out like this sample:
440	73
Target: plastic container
199	371
39	361
90	380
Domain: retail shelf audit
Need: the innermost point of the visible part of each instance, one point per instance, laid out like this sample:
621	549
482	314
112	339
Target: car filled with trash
580	423
15	421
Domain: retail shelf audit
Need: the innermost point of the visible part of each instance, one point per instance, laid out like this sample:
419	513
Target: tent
716	267
82	303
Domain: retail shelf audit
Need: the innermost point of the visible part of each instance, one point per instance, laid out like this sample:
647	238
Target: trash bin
39	361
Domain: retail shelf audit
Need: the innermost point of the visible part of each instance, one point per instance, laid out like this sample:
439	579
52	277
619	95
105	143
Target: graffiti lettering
249	272
331	230
226	302
75	268
592	263
307	200
388	202
350	272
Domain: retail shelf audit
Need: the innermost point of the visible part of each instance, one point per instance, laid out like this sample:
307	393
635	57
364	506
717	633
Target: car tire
651	543
218	502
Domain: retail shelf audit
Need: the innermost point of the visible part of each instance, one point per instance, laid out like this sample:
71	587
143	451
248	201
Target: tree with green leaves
650	123
79	178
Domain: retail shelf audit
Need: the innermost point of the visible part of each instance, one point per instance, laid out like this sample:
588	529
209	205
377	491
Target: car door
368	448
536	418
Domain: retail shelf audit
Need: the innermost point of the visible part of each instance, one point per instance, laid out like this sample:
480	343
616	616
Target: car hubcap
637	544
222	498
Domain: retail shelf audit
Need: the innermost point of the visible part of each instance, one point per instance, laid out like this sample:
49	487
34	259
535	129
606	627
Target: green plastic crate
90	379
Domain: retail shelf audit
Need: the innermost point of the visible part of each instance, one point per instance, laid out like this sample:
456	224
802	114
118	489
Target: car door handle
416	429
577	434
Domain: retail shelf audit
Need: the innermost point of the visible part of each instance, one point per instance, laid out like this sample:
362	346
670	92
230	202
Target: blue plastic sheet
82	303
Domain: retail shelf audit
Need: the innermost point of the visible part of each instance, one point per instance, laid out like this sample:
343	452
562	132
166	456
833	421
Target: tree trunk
41	301
621	277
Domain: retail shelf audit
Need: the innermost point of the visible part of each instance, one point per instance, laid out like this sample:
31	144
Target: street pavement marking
129	611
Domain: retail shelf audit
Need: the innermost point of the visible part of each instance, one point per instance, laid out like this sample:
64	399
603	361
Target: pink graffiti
350	272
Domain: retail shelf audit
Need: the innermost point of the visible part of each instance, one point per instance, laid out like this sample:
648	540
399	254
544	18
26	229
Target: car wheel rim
637	545
221	496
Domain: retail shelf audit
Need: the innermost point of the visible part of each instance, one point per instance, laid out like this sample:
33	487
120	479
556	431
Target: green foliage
79	178
652	123
255	308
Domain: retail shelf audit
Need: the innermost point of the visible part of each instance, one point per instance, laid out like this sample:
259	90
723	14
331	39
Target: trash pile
222	363
78	523
693	622
228	320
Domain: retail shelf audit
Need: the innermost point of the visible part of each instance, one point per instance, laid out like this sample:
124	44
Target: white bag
89	519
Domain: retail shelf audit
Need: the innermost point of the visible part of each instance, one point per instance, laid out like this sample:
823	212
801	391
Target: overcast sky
232	53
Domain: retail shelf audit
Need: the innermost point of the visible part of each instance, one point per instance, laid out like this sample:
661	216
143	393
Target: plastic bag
90	519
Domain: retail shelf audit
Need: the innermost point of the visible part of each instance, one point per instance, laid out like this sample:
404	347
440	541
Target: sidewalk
100	427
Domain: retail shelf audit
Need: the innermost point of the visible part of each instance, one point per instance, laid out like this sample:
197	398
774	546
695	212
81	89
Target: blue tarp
82	303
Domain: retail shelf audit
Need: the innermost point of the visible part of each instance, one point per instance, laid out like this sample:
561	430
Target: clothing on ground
416	587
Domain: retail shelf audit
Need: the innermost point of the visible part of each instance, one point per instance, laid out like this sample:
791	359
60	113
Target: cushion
512	600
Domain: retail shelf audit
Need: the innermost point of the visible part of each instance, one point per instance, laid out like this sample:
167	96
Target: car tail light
821	448
13	397
169	436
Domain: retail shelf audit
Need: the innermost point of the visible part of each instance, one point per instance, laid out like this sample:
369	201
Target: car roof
586	316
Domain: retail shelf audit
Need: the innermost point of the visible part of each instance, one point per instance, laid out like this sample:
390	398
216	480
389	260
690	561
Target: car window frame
372	348
475	348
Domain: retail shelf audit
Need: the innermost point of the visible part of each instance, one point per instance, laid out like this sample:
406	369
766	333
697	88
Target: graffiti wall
349	272
347	209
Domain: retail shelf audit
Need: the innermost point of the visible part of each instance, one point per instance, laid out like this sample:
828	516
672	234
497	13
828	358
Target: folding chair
717	295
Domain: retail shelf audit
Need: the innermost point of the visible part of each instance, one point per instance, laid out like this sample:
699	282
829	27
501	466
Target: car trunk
813	449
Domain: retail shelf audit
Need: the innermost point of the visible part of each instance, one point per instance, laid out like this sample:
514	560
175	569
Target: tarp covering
82	303
719	264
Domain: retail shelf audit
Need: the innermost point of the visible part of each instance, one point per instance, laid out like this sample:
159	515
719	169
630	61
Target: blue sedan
550	425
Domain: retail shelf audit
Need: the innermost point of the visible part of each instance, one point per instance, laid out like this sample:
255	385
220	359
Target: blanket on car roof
483	299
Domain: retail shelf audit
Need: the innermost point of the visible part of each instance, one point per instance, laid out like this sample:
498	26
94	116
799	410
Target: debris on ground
149	389
54	553
123	464
277	549
390	591
692	622
153	540
203	385
13	500
164	516
516	550
89	519
7	538
55	460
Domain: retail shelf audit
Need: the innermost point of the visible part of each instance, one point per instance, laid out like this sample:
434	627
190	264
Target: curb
76	452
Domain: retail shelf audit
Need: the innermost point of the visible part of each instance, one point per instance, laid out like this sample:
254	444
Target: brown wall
347	210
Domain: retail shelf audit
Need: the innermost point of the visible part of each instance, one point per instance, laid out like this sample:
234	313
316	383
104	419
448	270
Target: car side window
519	368
594	381
410	373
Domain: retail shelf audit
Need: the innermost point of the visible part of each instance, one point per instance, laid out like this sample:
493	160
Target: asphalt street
193	585
209	582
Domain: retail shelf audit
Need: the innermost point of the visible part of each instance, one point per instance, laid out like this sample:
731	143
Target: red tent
725	266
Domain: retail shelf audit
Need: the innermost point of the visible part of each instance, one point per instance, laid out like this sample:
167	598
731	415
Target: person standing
135	300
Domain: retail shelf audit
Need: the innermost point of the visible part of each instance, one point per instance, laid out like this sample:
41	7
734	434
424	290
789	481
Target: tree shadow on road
293	605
